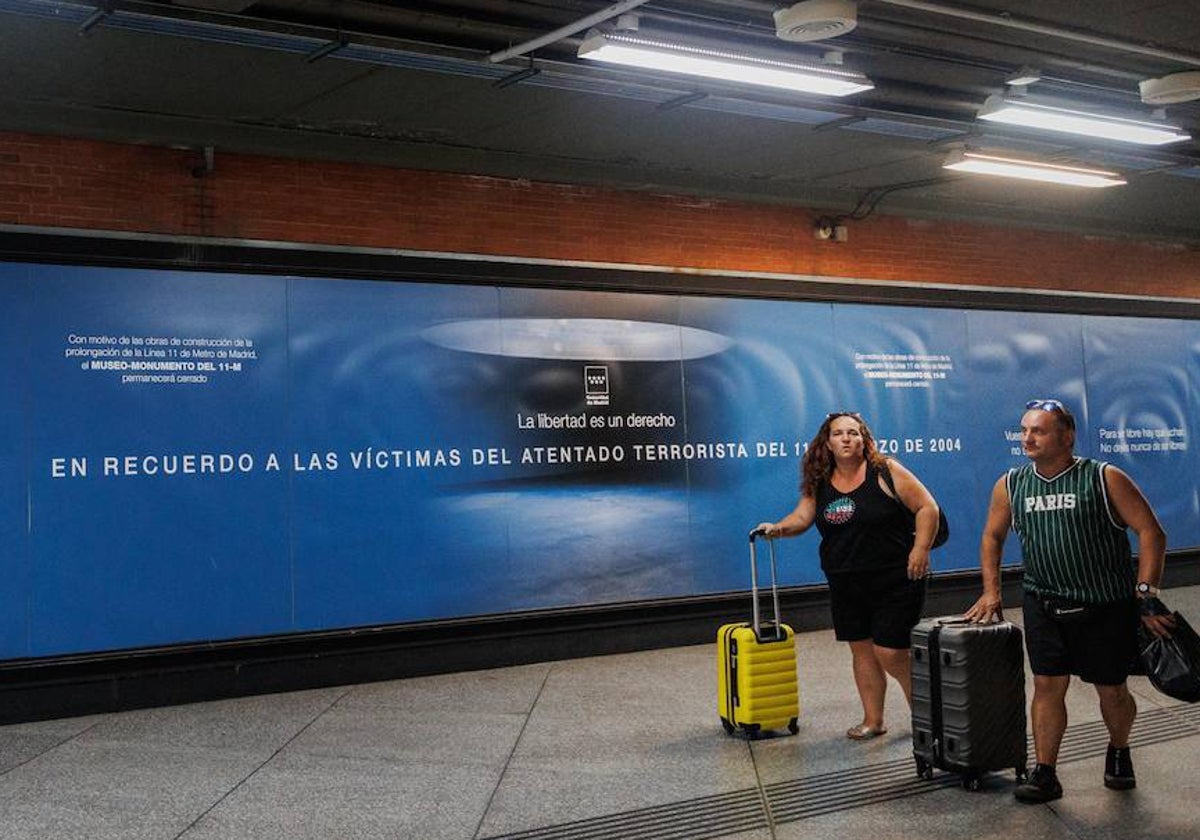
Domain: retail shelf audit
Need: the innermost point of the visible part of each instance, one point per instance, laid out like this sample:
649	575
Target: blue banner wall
155	515
1139	395
903	370
383	425
194	456
753	406
1014	357
1191	338
14	461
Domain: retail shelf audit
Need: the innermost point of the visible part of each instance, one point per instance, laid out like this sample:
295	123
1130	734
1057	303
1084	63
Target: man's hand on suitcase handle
987	610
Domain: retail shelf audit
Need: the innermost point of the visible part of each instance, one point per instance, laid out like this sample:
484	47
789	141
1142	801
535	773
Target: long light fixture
1028	170
653	54
1052	118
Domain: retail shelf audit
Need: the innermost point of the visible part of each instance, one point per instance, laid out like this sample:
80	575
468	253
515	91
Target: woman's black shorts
881	604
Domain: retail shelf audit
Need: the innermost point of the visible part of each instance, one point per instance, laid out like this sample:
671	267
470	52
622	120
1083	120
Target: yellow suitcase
756	667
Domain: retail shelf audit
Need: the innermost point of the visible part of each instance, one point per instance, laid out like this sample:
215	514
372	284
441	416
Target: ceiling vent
1177	87
816	20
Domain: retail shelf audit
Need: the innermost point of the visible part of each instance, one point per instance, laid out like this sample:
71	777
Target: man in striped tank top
1081	603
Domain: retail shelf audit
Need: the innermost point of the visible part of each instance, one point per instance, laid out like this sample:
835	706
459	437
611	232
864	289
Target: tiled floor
625	746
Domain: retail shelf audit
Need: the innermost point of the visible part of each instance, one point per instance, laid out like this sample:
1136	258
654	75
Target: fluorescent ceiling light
1024	77
636	51
1172	89
1031	170
1034	115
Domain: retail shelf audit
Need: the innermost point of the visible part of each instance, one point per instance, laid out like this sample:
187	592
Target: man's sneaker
1118	769
1042	786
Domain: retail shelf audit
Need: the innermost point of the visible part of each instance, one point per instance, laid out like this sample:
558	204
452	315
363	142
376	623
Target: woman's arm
795	523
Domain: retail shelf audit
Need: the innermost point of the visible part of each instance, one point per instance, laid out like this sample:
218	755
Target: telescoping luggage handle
779	634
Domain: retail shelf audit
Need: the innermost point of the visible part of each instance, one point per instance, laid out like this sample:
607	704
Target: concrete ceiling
411	85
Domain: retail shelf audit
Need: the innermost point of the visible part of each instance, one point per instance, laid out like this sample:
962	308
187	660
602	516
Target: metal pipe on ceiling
566	31
1046	29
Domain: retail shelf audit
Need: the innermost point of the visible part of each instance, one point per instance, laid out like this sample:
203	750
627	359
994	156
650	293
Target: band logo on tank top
839	511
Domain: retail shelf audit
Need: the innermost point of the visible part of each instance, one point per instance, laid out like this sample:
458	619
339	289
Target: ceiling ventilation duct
816	20
1177	87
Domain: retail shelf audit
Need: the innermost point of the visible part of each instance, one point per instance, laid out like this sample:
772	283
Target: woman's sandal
862	732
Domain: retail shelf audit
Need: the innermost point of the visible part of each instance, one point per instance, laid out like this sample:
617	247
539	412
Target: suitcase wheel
728	727
924	769
1022	775
971	782
793	726
752	731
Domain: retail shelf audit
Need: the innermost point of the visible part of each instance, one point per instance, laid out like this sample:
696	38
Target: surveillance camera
830	227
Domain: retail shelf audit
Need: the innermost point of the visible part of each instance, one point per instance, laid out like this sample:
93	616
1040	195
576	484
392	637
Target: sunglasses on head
834	414
1064	415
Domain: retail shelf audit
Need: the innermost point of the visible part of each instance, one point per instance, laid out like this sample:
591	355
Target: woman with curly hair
873	555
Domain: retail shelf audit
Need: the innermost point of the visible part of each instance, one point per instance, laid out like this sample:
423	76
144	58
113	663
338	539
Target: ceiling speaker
815	20
1178	87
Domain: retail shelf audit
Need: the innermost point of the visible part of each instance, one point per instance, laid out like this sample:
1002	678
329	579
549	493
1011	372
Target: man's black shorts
1098	647
880	604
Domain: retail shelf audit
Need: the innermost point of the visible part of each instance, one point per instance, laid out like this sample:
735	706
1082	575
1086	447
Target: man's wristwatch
1144	590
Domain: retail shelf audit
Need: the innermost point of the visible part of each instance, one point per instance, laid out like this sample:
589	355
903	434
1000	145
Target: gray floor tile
679	682
499	691
572	769
306	797
16	748
950	812
534	797
1164	804
407	736
252	724
101	791
63	727
24	742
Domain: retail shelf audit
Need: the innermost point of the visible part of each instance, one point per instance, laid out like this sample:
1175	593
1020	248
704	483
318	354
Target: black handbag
943	531
1173	663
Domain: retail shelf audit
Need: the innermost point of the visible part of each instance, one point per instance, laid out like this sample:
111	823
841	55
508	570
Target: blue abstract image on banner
384	427
755	406
1139	396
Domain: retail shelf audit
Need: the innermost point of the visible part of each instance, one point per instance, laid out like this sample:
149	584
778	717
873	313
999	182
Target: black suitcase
968	698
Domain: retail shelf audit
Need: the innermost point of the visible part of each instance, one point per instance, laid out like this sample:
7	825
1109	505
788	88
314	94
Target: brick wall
61	182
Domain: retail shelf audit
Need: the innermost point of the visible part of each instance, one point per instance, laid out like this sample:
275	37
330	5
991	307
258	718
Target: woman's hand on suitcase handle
770	530
987	610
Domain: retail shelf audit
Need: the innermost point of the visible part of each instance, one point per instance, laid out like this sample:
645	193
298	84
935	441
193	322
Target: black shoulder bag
943	531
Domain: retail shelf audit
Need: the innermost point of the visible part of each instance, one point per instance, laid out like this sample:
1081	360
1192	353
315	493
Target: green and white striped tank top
1072	544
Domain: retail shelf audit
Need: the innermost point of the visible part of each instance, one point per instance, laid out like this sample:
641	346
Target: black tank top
862	530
